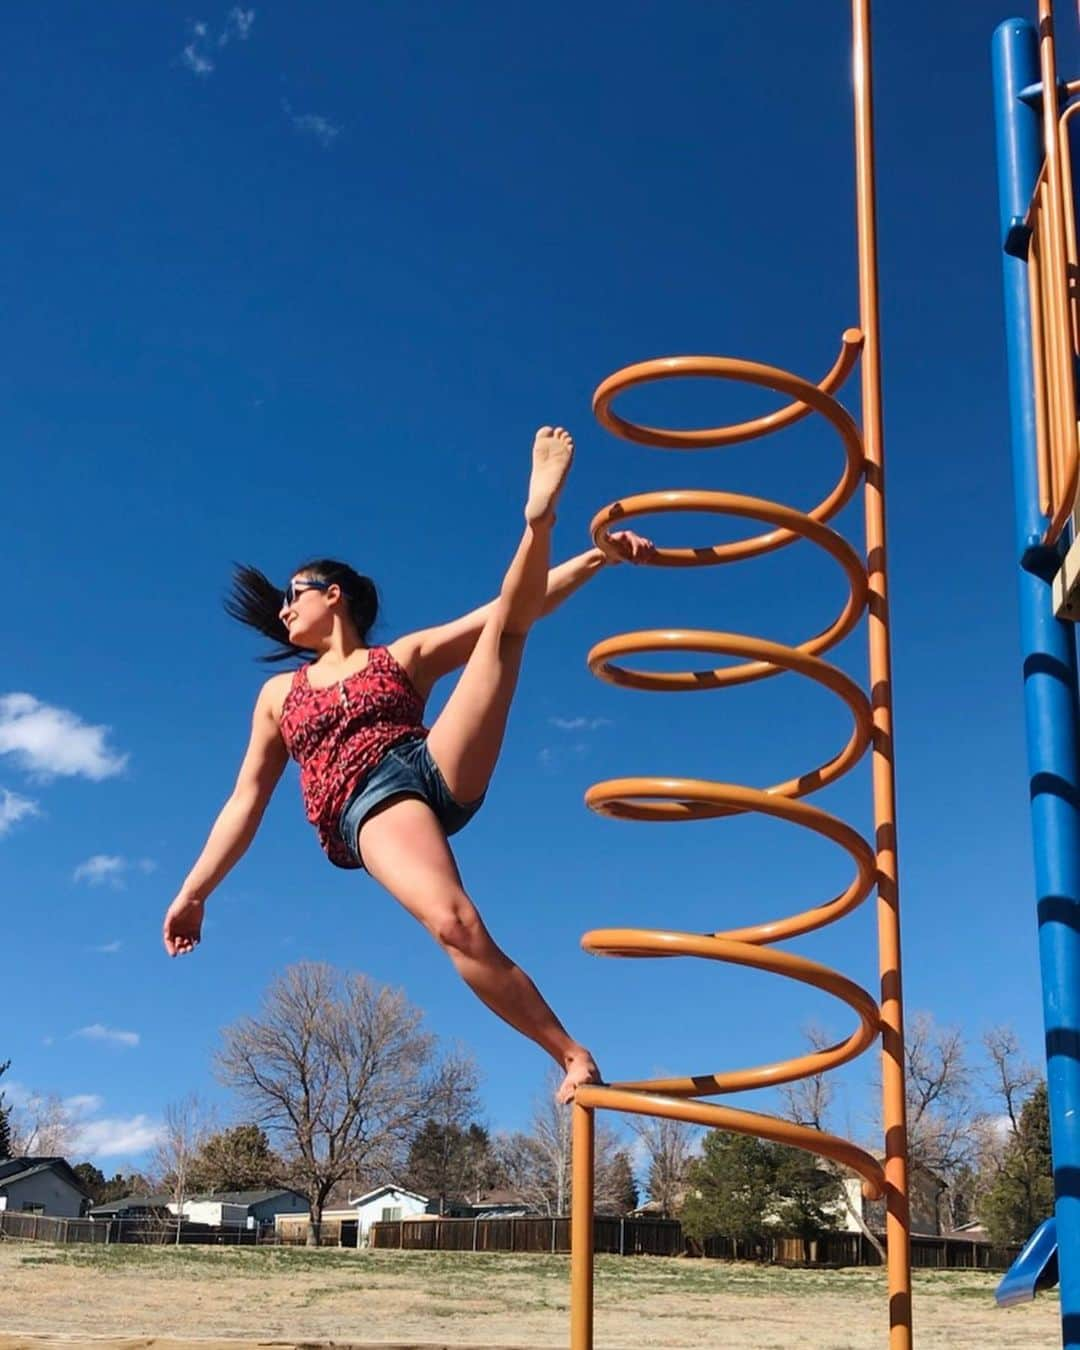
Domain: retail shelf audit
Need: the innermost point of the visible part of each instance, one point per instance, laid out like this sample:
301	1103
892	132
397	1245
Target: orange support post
667	799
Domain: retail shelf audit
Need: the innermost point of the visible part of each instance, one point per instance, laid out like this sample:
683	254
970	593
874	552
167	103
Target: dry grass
156	1296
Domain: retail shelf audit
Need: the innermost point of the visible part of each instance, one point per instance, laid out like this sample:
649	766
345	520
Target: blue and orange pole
1049	670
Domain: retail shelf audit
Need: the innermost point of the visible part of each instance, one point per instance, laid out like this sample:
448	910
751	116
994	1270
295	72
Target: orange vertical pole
581	1228
884	776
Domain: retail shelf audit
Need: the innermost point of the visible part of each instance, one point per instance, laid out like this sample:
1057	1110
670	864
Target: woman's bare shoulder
274	691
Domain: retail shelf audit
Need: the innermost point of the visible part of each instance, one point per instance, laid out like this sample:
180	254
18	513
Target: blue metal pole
1050	683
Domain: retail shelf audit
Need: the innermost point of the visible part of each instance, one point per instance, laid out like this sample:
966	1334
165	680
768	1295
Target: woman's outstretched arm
434	652
235	826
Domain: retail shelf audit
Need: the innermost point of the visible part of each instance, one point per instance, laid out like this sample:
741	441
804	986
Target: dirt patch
130	1298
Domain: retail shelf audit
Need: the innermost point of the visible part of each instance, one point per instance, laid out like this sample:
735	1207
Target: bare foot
182	930
581	1068
553	450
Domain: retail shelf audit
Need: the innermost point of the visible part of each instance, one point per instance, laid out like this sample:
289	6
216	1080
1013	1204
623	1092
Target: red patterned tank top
338	733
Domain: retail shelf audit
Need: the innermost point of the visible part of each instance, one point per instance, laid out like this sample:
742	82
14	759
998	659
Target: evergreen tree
617	1187
747	1188
447	1161
93	1180
5	1124
237	1159
1022	1194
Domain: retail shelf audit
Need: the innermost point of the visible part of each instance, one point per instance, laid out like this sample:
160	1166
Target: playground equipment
667	799
1038	225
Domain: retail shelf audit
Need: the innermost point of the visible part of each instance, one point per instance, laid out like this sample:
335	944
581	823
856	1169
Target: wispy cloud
580	723
108	948
49	742
83	1104
111	869
553	757
312	124
14	808
194	55
107	1034
198	52
238	24
112	1136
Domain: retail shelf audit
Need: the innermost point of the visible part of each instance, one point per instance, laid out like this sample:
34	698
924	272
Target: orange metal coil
667	799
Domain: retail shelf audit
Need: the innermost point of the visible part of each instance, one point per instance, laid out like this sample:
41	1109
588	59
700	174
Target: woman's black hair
256	601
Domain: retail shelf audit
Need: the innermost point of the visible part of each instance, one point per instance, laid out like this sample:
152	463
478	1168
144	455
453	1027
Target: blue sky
282	284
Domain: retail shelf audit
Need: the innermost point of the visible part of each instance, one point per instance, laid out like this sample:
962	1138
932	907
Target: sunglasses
295	588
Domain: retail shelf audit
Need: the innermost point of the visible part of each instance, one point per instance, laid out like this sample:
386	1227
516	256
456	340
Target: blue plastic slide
1035	1268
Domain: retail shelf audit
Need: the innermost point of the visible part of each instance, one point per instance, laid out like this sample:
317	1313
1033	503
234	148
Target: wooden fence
623	1237
664	1237
852	1249
150	1232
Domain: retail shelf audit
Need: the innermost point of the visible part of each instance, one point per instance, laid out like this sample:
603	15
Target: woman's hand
182	929
631	547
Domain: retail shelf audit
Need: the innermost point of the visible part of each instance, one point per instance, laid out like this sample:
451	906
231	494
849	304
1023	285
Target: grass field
153	1296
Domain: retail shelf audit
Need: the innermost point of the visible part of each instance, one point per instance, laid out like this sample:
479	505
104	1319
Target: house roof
500	1198
386	1190
159	1201
18	1169
248	1198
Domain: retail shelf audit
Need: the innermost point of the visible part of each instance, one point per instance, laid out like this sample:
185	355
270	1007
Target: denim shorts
406	770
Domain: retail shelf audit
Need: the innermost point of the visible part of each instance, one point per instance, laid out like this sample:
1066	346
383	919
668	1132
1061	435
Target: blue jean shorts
406	770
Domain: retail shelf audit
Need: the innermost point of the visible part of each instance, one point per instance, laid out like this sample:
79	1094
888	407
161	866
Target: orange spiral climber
667	799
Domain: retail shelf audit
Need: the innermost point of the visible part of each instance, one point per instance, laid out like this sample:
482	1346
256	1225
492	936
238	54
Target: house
42	1186
347	1217
924	1197
254	1209
131	1207
503	1205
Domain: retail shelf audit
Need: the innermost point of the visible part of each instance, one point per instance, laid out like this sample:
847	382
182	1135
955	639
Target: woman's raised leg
404	848
468	734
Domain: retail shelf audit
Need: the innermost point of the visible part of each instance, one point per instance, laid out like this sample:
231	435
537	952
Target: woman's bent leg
404	848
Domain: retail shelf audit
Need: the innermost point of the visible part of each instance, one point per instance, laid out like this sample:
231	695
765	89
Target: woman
382	791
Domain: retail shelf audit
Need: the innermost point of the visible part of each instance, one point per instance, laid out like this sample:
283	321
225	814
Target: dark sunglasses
295	588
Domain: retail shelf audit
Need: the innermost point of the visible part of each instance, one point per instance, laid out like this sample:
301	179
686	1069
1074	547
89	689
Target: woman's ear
333	593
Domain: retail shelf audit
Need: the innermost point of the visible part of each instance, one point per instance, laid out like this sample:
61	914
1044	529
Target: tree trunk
314	1228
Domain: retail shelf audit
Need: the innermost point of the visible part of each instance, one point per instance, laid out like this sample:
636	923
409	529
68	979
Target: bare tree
449	1153
1010	1080
41	1126
668	1146
1010	1077
333	1067
537	1165
942	1121
186	1126
809	1102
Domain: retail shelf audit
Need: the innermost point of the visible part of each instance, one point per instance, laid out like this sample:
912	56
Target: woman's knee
458	928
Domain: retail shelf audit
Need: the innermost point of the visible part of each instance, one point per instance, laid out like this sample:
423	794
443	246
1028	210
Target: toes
545	431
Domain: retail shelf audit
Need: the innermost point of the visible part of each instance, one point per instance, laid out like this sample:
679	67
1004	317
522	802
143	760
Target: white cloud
312	124
108	948
580	723
49	742
97	1032
196	55
83	1104
99	869
554	757
14	808
105	1137
111	868
15	1093
112	1135
238	24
